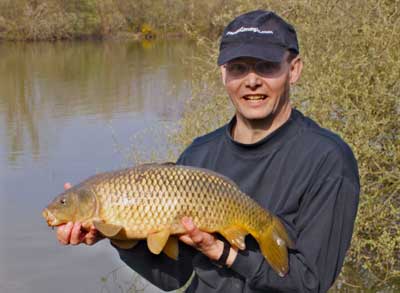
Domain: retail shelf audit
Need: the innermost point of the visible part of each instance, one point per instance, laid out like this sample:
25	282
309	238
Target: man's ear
223	74
296	66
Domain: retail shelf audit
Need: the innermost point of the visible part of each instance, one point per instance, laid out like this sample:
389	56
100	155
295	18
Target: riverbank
51	20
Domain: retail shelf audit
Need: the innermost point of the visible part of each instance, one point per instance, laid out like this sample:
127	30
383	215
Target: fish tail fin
274	242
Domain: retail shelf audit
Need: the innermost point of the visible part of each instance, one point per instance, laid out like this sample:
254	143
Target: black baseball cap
260	34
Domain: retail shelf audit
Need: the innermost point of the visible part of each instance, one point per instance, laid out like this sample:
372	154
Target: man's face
258	89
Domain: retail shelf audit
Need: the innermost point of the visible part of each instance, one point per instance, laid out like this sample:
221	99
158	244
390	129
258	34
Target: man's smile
254	97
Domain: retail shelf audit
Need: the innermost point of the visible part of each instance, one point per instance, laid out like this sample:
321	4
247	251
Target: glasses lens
266	68
237	69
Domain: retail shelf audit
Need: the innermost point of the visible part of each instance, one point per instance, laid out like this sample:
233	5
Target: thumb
188	224
67	185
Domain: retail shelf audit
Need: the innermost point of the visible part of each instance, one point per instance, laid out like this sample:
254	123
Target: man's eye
237	68
266	68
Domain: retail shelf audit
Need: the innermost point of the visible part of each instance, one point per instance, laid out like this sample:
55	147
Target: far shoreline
119	36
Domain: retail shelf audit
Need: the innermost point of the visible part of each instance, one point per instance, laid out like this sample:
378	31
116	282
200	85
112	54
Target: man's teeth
256	97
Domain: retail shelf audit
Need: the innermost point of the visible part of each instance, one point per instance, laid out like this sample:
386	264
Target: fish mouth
254	97
50	218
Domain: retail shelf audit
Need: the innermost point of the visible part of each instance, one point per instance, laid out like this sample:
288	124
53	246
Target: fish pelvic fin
171	248
157	241
274	242
235	235
108	230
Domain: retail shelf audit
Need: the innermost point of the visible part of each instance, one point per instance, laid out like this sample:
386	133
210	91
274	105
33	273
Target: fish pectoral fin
125	244
171	248
156	241
108	230
235	236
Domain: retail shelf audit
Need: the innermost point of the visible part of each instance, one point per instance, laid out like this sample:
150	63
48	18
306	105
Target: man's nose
252	80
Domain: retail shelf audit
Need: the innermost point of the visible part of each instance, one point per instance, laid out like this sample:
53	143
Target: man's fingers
187	240
197	236
90	239
72	233
92	236
64	233
67	185
76	234
202	241
188	224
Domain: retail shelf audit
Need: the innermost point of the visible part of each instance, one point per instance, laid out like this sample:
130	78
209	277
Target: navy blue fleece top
304	174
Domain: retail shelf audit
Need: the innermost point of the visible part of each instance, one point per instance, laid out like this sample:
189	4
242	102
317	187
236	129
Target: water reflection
66	109
40	83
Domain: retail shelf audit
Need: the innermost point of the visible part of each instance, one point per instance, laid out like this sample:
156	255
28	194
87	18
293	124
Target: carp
149	201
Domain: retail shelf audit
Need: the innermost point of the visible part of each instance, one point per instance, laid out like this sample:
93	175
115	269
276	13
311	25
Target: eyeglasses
263	68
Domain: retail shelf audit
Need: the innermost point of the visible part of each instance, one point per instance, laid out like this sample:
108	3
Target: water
67	111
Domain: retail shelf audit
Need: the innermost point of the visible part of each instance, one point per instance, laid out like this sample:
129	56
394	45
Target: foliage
33	22
58	19
354	89
67	19
351	85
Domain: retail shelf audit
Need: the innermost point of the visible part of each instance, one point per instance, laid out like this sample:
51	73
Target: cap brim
273	53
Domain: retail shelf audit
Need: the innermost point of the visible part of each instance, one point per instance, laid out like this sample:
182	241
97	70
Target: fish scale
149	201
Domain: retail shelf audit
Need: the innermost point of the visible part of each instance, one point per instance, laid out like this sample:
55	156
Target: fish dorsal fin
124	244
142	169
147	166
235	236
108	230
171	248
156	241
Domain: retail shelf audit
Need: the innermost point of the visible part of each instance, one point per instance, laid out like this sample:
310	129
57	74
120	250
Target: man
304	174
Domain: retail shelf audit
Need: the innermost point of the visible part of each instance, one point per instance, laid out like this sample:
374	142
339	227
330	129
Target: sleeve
160	270
324	229
163	272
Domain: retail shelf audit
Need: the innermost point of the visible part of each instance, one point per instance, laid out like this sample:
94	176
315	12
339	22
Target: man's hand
74	234
205	242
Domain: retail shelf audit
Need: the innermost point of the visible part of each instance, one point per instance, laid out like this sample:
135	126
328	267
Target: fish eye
63	201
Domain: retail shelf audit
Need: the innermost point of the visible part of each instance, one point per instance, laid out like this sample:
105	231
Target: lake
69	110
